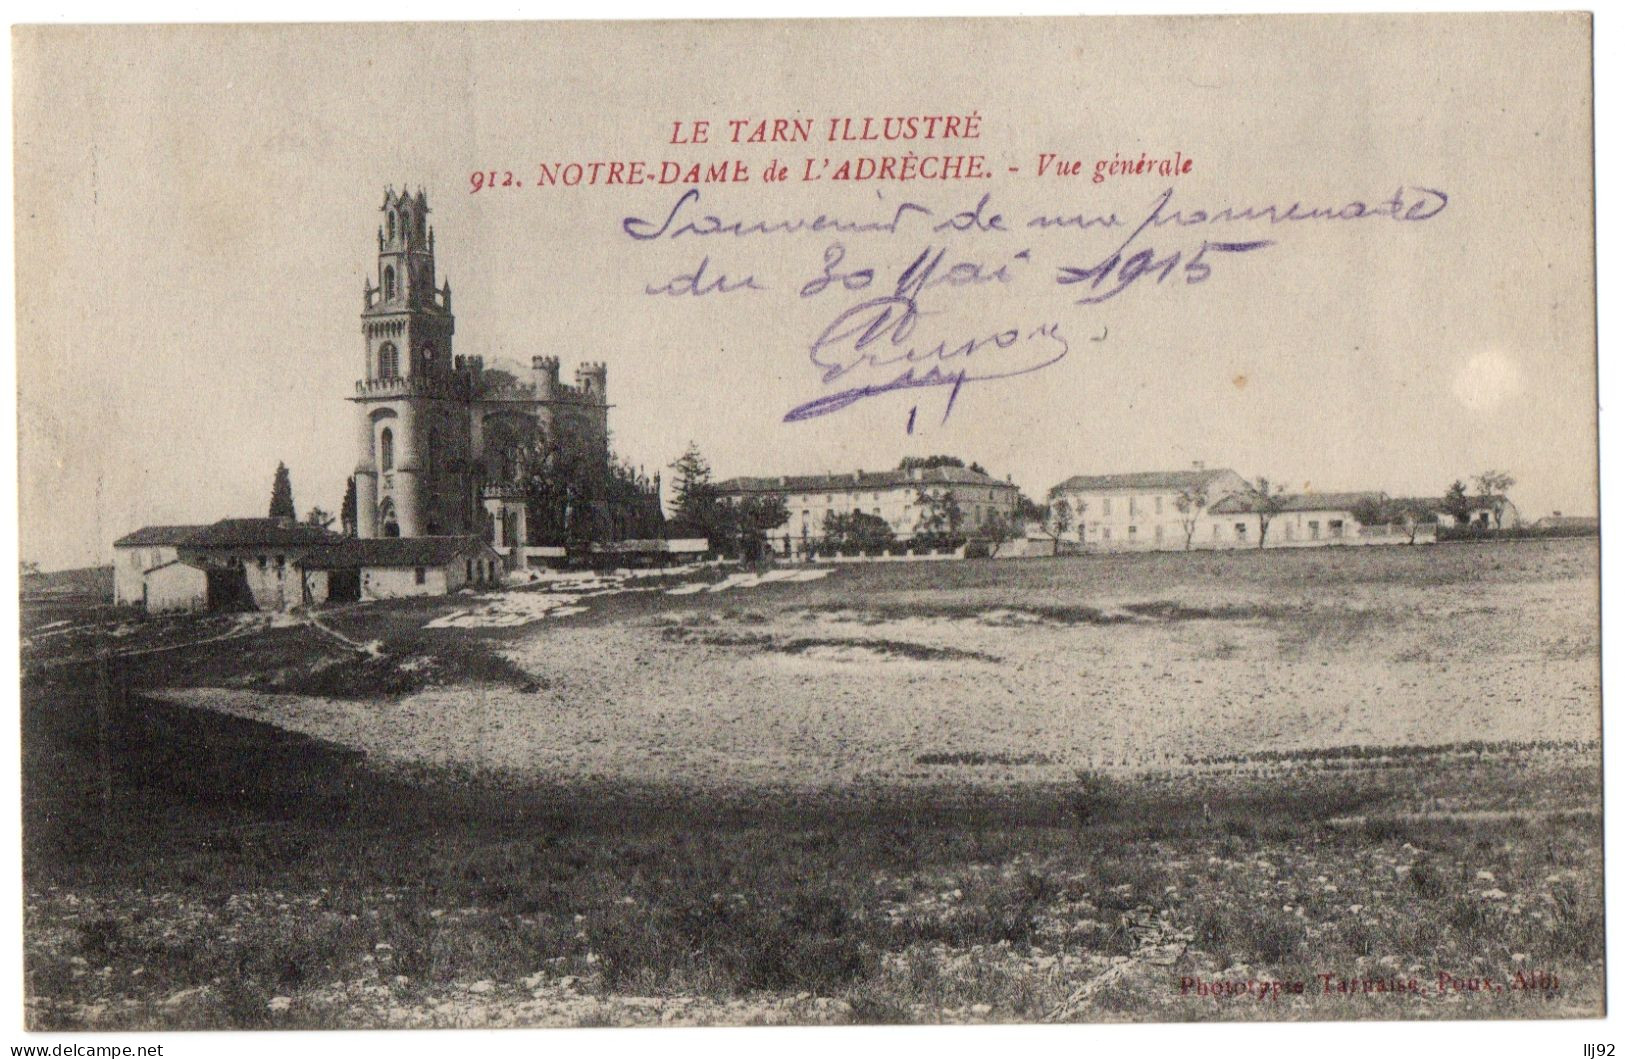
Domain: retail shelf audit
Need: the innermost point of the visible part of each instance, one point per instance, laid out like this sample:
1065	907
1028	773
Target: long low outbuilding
275	564
394	567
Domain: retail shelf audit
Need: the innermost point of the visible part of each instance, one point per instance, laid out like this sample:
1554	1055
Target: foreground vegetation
232	875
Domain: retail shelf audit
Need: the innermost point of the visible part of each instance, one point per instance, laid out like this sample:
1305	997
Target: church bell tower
407	382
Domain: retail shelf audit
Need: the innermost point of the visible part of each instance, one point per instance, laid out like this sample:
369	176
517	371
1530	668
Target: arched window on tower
386	450
389	361
406	227
427	360
392	226
389	282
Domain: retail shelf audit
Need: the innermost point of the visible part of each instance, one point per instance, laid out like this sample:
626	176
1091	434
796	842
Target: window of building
386	449
420	575
262	562
1159	534
1215	531
1336	526
1106	534
468	569
1314	530
1133	530
389	361
1106	507
1241	531
389	282
1159	505
392	225
1133	506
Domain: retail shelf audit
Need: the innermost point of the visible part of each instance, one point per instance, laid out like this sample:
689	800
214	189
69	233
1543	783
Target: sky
197	210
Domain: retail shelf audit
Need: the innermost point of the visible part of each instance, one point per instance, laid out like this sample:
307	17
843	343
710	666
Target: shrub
1094	799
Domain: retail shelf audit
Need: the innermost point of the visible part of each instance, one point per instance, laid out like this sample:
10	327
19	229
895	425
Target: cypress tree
282	494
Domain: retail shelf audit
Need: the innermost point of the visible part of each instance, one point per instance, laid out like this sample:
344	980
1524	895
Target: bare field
1010	672
1288	785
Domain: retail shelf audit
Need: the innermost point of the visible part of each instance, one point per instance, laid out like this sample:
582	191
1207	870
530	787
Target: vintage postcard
697	523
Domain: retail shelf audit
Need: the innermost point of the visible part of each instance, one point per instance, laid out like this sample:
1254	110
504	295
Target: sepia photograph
642	524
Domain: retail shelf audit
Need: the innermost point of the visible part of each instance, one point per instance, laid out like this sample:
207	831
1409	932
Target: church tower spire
407	325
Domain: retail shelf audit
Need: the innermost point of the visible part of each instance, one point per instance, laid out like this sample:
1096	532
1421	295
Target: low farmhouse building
895	496
1141	510
252	563
146	549
393	567
1299	520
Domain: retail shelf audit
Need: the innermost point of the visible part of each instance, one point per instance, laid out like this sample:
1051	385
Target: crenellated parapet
410	386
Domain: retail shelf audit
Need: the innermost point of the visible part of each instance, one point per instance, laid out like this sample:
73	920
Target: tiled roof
154	535
255	532
1164	480
816	483
393	551
1240	503
1439	503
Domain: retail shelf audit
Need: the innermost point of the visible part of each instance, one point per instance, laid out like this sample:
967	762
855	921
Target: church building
440	439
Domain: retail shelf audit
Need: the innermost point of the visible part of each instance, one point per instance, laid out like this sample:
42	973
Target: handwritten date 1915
1145	262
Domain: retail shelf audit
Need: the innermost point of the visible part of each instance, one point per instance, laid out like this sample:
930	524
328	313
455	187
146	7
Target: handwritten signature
878	334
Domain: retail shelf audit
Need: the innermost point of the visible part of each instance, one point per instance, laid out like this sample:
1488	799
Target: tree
1060	517
1374	511
1492	492
857	532
282	494
347	510
576	492
1266	502
1411	517
318	517
940	514
27	568
693	497
748	521
1028	510
1190	503
1457	504
1001	529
